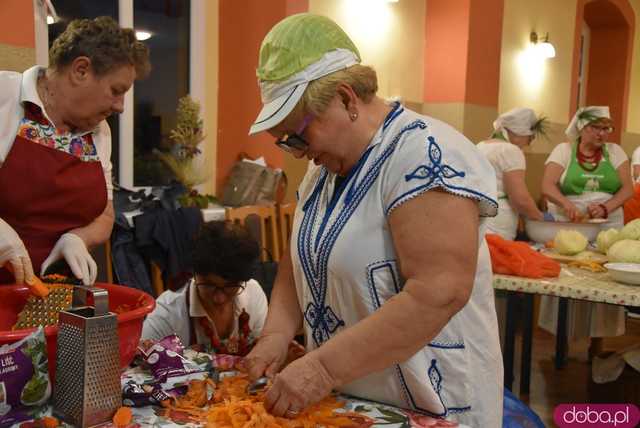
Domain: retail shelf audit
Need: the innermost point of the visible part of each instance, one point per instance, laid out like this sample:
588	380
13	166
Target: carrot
123	417
37	287
50	422
231	407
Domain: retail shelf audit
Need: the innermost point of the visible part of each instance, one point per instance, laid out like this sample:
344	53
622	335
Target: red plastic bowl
14	297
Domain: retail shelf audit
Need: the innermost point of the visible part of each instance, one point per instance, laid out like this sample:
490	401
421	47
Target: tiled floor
550	387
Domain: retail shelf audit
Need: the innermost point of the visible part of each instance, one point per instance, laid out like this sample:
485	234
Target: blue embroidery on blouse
371	268
447	345
322	320
435	173
389	264
436	379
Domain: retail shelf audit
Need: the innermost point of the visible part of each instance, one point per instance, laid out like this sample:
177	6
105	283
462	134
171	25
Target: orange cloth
518	258
632	206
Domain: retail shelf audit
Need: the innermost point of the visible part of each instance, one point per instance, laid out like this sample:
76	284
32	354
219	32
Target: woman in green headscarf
389	272
587	178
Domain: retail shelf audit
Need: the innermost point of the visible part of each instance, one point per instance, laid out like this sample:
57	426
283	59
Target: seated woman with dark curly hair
221	307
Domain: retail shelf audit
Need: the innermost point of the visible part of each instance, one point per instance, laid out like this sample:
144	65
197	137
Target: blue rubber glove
547	216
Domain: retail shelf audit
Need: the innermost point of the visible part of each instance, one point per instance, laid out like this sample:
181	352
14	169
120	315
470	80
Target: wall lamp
542	45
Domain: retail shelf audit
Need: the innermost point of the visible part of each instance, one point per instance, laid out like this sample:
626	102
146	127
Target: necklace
593	160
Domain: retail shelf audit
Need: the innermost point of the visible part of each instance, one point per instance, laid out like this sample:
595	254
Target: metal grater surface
87	390
44	311
102	383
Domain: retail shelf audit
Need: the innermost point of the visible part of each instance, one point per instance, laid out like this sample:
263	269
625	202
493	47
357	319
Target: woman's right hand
13	252
267	356
572	212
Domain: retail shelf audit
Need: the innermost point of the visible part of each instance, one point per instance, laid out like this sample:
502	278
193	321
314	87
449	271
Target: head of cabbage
606	238
631	230
570	242
625	251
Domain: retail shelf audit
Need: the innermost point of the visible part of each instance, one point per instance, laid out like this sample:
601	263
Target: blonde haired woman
513	131
376	270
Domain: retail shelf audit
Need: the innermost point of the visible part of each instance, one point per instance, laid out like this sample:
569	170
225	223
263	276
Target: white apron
505	223
585	319
345	267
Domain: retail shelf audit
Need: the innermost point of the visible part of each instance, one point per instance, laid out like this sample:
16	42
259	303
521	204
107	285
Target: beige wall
544	86
390	37
633	116
211	93
16	58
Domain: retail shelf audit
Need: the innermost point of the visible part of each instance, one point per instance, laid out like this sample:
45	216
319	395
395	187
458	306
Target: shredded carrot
123	417
50	422
37	287
232	407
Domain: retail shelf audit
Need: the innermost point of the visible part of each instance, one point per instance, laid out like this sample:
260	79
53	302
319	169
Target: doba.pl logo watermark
596	415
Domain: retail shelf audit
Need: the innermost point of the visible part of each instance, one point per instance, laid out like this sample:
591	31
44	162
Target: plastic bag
24	379
516	414
517	258
251	183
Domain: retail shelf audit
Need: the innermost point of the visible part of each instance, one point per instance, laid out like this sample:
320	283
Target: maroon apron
45	192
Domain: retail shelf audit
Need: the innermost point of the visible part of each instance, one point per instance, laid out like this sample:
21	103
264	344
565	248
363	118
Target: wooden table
573	283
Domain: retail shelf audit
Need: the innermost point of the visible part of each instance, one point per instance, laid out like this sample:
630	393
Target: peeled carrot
123	417
37	287
50	422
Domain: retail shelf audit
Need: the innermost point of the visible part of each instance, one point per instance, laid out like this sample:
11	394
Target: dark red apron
45	192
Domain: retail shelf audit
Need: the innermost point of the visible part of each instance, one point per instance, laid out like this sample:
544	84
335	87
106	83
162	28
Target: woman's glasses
229	288
295	143
598	129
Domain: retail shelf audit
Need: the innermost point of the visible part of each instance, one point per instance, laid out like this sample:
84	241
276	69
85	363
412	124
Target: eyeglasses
230	288
295	143
601	129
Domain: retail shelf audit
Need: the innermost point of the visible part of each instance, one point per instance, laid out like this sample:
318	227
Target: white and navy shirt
345	266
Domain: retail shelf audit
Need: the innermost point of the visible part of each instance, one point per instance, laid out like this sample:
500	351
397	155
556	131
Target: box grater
87	389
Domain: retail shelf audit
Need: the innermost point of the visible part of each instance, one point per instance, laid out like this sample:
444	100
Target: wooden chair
268	231
285	223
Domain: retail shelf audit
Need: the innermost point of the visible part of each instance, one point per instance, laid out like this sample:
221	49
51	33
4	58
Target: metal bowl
545	231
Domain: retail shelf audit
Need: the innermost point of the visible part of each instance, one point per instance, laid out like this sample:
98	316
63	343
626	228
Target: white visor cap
280	97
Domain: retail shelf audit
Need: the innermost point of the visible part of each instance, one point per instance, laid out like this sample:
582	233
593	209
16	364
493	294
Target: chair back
267	234
285	224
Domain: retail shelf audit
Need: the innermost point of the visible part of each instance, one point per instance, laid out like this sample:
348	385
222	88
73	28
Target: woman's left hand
302	383
596	211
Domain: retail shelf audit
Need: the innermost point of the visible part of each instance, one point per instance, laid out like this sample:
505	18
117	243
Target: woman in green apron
587	178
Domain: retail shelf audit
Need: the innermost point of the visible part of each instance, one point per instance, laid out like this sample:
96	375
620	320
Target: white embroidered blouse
345	266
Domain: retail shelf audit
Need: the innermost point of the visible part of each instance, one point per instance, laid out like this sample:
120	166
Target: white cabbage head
625	251
570	242
606	238
631	230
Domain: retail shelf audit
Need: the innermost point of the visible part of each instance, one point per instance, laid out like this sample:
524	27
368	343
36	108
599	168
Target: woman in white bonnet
587	177
513	131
